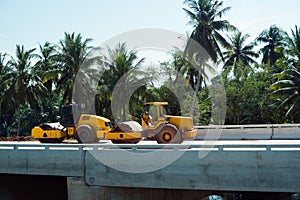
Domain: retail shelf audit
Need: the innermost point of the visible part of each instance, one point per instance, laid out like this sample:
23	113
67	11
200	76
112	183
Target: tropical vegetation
261	77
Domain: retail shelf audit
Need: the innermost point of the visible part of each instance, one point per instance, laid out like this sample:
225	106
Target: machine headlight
108	124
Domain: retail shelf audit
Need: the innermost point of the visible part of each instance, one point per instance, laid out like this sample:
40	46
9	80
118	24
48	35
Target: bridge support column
79	190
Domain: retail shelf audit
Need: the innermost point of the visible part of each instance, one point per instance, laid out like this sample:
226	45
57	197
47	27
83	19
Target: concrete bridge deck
229	158
262	166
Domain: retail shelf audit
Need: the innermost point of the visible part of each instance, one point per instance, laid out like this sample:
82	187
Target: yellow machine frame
184	124
101	128
100	125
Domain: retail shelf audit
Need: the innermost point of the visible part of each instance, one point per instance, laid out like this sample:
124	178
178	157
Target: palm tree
6	103
293	48
237	52
183	67
121	75
73	51
287	88
4	70
46	66
205	17
47	69
273	38
23	85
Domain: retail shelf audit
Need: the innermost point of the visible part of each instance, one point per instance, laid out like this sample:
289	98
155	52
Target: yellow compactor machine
91	128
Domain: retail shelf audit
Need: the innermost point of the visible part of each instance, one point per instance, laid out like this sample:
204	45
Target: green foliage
273	38
72	52
237	54
204	107
31	93
23	85
247	100
206	18
34	86
118	82
286	92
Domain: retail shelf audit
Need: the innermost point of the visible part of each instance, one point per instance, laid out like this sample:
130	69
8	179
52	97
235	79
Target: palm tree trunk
195	93
124	113
70	100
19	119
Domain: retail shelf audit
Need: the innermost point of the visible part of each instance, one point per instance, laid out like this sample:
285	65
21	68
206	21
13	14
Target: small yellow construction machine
167	128
91	128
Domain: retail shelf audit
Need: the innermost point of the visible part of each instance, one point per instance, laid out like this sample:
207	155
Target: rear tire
51	140
169	134
86	134
128	141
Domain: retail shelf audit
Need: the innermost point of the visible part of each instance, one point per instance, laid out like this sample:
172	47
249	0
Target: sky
33	22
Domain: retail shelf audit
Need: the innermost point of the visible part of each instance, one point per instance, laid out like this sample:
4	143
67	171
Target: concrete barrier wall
42	160
265	166
231	169
250	132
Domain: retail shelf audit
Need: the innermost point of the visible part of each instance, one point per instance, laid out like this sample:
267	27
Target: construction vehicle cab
166	128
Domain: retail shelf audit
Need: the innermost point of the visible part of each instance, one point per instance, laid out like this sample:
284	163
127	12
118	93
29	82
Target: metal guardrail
229	165
188	145
248	126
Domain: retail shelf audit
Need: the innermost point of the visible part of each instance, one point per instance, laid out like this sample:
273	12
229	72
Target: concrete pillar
78	190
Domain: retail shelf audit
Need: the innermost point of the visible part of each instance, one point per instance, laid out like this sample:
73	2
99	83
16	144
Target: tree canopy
261	77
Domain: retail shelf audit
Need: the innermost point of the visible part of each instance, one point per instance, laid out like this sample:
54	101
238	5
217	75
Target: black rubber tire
86	134
51	140
169	134
129	141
